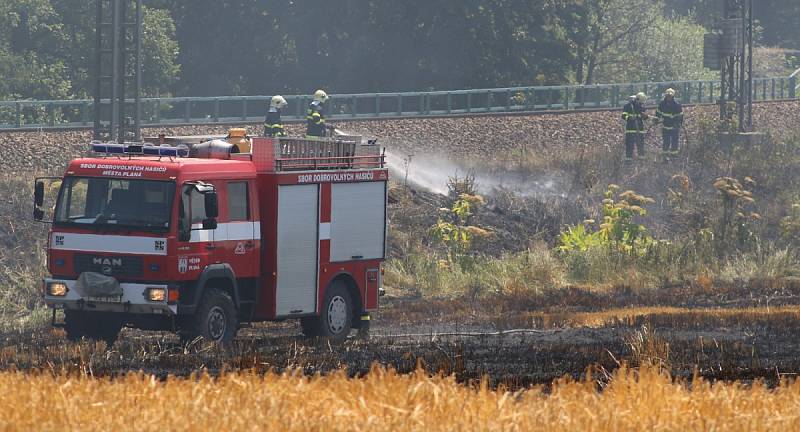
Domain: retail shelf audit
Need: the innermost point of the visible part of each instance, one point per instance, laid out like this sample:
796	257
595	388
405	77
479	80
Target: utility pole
118	70
736	62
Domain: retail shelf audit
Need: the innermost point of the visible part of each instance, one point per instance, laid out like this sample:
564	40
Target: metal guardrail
251	109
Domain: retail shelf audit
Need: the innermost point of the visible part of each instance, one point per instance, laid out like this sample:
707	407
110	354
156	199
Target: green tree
604	32
671	49
47	49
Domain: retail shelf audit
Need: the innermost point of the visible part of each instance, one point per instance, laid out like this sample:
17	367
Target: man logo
109	262
183	265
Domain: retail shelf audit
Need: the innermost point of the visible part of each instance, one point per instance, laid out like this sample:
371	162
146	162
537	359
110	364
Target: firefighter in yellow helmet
315	120
634	115
670	113
273	126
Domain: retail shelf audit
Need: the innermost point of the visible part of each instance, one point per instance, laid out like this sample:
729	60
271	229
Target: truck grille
118	266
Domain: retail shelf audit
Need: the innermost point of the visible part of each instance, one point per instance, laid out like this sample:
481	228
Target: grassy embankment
718	217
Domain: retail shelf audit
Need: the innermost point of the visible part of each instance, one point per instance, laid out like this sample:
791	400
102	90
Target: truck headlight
57	289
156	294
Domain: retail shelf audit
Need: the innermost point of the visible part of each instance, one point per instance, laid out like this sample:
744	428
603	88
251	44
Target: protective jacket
671	113
634	115
273	126
315	121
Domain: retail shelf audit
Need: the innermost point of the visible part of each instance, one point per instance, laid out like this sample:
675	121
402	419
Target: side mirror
209	224
38	194
211	204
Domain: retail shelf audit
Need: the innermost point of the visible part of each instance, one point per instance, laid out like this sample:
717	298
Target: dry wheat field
643	399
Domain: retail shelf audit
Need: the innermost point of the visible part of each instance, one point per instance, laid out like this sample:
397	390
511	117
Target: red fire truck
202	237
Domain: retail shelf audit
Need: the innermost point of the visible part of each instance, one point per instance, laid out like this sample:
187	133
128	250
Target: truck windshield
105	202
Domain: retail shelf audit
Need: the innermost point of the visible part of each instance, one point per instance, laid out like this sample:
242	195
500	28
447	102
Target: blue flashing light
108	148
166	150
138	149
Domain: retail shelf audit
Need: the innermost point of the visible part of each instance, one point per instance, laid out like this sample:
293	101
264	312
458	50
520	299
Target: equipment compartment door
298	223
358	221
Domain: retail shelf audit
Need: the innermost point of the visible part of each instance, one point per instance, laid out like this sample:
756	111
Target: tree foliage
47	49
229	47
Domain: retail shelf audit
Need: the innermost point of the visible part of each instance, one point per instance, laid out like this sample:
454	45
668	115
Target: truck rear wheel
92	325
337	313
216	319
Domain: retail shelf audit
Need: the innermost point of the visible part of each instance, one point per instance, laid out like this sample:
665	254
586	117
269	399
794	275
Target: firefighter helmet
670	92
320	96
278	102
641	97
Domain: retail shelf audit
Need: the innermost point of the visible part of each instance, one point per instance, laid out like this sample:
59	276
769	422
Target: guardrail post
489	101
51	114
566	98
615	96
18	114
216	110
773	88
85	113
508	100
157	111
469	102
187	110
792	87
449	102
354	106
244	108
377	105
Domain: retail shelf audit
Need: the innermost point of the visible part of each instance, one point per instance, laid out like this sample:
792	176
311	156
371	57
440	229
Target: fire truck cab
198	238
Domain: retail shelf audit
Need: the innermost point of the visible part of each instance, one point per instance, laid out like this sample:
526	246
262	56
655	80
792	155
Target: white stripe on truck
325	231
139	245
230	231
108	243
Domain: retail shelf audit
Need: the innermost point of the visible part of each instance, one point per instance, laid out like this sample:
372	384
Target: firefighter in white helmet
634	115
670	113
273	126
315	120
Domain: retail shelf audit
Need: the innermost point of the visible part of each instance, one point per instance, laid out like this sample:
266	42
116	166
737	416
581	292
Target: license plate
116	299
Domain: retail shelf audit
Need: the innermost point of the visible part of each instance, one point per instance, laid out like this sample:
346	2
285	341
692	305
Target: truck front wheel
337	313
216	319
92	325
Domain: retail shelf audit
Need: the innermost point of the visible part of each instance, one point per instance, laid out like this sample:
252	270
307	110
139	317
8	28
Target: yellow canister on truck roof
238	137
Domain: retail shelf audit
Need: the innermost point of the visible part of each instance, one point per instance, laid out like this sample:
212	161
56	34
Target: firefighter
670	114
634	115
273	126
315	120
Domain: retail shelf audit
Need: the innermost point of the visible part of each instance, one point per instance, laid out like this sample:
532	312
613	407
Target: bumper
132	301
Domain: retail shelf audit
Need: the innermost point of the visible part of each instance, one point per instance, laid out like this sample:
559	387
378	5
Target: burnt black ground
742	347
